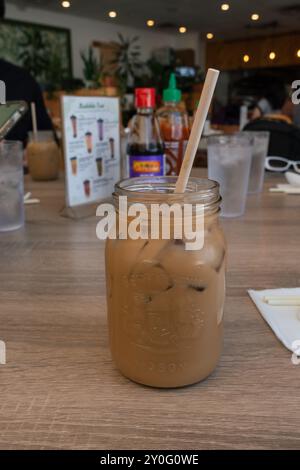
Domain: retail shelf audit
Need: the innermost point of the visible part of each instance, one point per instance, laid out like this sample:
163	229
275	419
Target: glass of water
260	151
229	163
11	186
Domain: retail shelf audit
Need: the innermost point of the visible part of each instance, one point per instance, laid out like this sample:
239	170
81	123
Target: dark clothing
284	137
21	86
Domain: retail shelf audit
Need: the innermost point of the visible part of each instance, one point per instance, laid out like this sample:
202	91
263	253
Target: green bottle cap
172	93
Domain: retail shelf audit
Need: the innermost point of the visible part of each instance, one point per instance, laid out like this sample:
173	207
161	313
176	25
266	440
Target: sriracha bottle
174	125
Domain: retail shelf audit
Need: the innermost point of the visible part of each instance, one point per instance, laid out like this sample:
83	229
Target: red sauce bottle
174	126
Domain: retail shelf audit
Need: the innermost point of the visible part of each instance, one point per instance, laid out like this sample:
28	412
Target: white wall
84	31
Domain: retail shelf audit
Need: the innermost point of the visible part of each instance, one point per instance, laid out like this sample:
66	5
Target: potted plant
127	61
34	53
92	69
55	75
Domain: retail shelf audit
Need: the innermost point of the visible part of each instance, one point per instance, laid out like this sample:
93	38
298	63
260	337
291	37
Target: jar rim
161	189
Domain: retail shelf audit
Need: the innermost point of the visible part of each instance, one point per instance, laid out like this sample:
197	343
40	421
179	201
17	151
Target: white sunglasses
281	164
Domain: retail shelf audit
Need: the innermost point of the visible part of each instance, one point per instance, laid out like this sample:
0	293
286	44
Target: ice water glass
11	186
229	163
261	141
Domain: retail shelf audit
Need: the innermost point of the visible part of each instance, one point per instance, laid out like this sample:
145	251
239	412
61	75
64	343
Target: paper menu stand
91	141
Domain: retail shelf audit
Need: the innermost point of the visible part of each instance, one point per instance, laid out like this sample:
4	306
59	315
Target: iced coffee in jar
166	302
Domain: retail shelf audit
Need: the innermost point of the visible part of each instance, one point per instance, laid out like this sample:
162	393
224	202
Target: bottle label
146	165
174	155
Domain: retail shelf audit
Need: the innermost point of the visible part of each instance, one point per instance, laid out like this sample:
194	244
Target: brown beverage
165	304
43	157
99	162
89	141
74	126
74	165
87	188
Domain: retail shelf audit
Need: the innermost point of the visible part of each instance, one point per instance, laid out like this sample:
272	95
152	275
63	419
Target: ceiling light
150	23
246	58
209	36
272	56
66	4
112	14
182	29
225	7
298	53
255	17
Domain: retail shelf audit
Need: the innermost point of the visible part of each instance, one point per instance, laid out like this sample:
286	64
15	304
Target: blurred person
296	115
21	86
272	101
292	111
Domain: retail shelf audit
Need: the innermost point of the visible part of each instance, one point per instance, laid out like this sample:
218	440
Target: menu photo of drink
91	136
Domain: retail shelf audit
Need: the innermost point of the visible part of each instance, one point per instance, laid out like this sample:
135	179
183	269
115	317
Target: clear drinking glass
11	186
165	303
229	163
260	152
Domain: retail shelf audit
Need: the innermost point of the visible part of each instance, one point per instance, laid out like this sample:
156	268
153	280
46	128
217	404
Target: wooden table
59	388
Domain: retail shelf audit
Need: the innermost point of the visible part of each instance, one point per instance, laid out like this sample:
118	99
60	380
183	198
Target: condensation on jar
165	303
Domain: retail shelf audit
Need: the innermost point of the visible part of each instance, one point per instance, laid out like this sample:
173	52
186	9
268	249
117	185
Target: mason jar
165	302
43	156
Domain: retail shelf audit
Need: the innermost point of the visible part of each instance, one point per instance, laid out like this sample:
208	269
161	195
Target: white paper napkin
284	321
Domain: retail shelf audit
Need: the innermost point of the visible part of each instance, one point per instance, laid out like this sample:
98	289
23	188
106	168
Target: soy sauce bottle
145	149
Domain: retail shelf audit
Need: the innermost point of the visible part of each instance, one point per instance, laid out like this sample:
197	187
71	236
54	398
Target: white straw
285	191
28	202
34	121
284	303
282	299
27	196
197	129
287	296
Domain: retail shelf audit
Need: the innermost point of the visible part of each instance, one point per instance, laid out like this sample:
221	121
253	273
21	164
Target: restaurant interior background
104	75
248	42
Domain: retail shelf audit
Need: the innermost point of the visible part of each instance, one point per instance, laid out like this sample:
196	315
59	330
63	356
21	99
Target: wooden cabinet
185	57
229	55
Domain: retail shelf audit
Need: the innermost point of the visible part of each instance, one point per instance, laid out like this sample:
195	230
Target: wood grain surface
59	388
